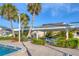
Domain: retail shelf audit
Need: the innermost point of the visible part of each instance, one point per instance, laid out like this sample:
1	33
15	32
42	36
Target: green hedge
5	38
60	43
78	43
71	43
38	41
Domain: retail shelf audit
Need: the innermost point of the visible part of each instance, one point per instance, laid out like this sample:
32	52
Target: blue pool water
5	49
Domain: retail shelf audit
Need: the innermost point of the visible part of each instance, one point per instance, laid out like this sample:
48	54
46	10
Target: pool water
5	49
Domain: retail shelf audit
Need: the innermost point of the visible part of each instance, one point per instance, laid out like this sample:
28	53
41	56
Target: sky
50	13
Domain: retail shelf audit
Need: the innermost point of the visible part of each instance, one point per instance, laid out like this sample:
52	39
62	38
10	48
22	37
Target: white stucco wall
40	33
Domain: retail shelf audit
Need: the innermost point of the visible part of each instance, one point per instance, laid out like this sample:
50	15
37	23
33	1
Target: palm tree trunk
22	32
22	28
30	29
12	29
33	16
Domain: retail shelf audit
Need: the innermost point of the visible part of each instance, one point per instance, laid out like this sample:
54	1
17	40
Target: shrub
60	43
5	38
67	44
24	38
48	34
60	34
78	43
61	38
14	39
9	38
71	43
73	39
38	41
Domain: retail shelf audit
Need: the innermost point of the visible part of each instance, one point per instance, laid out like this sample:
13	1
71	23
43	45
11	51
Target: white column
19	29
74	34
67	34
37	35
44	33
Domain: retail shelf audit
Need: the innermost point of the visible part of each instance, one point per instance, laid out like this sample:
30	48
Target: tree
34	9
24	21
9	12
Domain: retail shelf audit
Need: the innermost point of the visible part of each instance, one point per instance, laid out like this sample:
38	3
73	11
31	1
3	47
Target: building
55	27
4	31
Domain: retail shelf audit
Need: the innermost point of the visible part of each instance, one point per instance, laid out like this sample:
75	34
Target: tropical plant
48	34
71	33
9	12
71	43
34	9
24	21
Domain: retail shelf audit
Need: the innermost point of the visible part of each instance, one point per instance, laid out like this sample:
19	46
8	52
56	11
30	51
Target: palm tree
24	21
9	12
34	9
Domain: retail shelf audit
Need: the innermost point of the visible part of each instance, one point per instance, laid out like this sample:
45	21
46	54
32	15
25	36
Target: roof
55	25
61	24
5	28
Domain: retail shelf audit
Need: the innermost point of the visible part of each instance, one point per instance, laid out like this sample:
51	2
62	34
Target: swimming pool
6	49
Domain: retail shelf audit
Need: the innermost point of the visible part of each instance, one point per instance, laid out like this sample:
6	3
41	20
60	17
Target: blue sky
50	13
